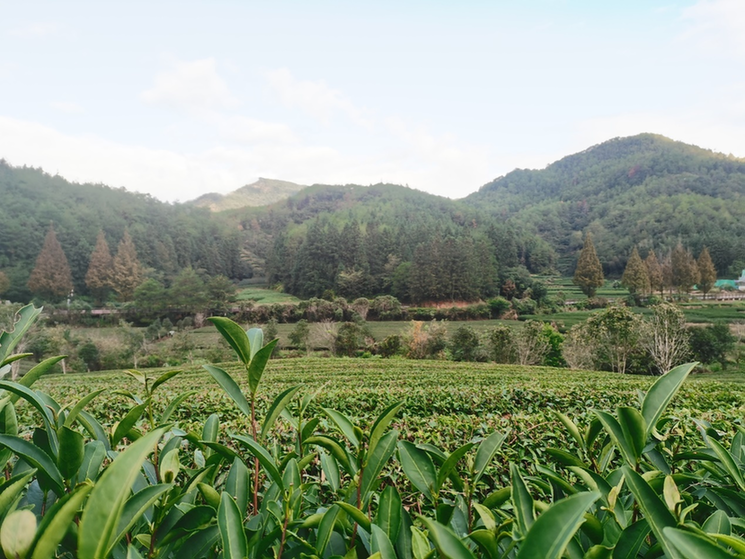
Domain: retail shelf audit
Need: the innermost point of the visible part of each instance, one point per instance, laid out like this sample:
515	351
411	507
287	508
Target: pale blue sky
182	98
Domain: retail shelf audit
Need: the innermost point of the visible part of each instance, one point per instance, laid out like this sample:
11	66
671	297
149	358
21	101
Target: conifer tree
707	272
635	277
654	272
589	273
51	276
127	270
4	283
684	269
99	276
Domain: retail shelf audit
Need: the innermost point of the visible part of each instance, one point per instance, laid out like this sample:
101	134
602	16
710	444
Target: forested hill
644	190
385	239
261	193
167	237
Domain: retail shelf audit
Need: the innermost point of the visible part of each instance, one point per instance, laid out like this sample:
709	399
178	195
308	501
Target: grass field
445	403
265	296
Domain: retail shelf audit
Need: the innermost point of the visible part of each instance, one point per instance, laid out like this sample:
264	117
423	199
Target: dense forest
644	191
167	237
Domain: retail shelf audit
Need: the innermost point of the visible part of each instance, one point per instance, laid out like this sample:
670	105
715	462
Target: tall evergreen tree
635	277
127	270
98	278
654	272
4	283
684	269
589	273
707	272
51	276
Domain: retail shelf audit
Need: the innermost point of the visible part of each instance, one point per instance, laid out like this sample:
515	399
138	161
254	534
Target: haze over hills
261	193
645	190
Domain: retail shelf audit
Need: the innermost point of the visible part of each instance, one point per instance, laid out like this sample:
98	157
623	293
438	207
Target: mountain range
646	191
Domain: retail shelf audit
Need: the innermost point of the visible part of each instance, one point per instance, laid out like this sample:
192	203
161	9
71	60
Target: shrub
464	344
711	344
390	346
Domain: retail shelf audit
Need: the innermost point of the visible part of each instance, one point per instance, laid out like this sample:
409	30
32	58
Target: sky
177	99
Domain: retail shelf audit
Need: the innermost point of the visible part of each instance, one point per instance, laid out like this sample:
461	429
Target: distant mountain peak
260	193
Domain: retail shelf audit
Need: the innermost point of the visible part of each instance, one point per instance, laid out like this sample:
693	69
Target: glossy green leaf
446	542
48	472
71	451
230	387
571	428
230	525
485	454
693	546
661	393
377	460
420	544
451	462
56	522
381	543
344	425
522	501
487	542
12	488
279	404
23	320
334	448
135	508
728	463
381	424
36	372
265	459
237	483
235	336
655	512
258	364
631	539
326	528
106	502
634	429
554	529
357	515
94	454
419	469
165	377
127	423
618	437
20	391
388	516
255	339
718	523
75	411
17	533
174	404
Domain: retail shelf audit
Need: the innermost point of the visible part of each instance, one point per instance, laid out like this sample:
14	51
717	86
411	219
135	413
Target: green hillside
168	237
261	193
644	190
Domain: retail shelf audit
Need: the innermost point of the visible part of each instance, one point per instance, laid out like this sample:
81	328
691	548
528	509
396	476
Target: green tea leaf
661	393
554	529
280	402
258	364
418	467
235	336
106	502
485	453
47	470
446	542
230	525
56	522
693	546
230	387
388	517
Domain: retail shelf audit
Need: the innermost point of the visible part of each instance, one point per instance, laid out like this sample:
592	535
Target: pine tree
635	277
4	283
654	272
707	272
51	276
99	275
684	269
589	273
127	270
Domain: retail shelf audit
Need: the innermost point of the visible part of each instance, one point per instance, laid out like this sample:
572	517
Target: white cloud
314	97
66	107
244	130
191	86
36	30
718	26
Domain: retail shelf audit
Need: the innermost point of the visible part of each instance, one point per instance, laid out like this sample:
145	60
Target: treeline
414	262
167	237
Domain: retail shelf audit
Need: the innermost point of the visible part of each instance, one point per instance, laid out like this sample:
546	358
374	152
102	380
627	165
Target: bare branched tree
665	337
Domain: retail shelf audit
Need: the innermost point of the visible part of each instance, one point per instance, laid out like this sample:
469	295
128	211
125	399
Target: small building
731	285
